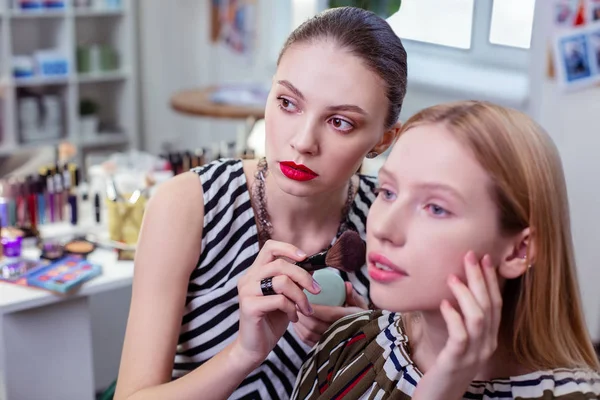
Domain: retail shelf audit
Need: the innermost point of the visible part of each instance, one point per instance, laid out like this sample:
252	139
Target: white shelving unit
114	91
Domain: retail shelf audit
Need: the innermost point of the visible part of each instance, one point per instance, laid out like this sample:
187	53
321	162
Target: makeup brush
347	254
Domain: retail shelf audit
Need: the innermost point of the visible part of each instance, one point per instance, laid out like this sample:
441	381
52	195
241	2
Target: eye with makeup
340	124
436	211
384	194
287	105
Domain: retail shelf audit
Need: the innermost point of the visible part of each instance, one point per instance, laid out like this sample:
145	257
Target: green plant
383	8
88	107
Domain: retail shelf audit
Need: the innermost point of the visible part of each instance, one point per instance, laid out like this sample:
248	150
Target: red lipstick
297	172
381	269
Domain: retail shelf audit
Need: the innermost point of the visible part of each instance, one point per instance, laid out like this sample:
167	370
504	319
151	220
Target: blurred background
123	94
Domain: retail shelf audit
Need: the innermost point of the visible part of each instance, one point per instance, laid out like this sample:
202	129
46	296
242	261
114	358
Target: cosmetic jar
11	239
51	250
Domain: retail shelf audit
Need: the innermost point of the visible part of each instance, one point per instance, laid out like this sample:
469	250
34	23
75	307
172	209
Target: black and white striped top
229	247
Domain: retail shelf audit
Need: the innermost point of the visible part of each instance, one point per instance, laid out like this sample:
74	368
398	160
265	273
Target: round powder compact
79	247
51	250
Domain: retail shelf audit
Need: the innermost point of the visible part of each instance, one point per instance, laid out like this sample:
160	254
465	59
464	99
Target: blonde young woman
469	250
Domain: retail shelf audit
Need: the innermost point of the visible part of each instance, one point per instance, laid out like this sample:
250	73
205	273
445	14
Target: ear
389	137
519	255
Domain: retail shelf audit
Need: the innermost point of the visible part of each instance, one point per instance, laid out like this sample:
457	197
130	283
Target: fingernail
487	261
300	253
471	258
316	285
310	309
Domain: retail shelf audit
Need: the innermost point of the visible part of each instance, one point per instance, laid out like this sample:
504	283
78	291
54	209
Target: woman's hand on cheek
310	329
472	333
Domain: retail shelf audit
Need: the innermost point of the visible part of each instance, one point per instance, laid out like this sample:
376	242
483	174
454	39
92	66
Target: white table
46	340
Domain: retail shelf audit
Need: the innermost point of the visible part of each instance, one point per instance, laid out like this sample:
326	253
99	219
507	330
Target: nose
388	223
306	140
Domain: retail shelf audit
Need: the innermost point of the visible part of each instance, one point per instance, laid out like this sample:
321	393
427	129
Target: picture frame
576	57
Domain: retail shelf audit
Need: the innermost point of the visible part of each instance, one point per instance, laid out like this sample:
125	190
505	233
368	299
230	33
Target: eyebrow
342	107
292	88
442	187
427	185
347	107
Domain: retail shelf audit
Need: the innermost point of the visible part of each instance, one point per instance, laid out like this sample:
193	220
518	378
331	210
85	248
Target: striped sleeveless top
366	356
229	247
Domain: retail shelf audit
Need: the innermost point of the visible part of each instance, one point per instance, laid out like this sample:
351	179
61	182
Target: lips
297	172
381	269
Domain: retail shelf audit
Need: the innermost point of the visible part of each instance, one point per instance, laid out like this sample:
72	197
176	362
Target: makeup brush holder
124	218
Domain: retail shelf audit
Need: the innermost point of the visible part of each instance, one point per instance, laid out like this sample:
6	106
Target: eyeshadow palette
64	274
15	270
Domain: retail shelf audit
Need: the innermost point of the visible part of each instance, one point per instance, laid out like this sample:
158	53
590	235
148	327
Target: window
452	22
512	22
447	23
483	32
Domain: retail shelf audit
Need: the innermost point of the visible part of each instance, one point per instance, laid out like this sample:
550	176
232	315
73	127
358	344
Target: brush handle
314	262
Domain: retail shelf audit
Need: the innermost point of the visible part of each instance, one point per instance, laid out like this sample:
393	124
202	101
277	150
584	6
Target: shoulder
218	172
345	348
356	330
365	191
182	191
367	184
561	383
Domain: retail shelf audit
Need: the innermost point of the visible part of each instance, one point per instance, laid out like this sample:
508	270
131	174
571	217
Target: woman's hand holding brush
271	295
310	328
347	254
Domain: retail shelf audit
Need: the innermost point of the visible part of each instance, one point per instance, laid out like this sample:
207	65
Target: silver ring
266	286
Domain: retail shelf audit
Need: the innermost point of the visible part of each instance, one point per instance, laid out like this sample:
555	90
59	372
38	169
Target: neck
430	334
310	221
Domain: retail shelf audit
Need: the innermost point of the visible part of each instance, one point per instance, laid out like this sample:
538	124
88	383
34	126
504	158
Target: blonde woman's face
434	206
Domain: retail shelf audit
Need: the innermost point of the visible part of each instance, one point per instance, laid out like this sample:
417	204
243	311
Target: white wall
167	65
174	55
572	121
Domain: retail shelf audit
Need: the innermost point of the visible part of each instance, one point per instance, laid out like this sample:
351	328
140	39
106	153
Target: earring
524	258
372	154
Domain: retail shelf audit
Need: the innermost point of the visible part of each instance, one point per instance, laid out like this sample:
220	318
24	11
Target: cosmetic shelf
110	76
40	81
99	13
76	64
16	14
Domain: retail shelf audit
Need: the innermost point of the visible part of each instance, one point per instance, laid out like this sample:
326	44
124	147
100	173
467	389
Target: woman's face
325	112
434	205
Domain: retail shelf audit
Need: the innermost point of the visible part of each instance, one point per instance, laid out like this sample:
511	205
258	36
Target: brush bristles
348	253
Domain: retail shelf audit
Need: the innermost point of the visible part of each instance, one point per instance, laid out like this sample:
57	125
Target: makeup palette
63	275
16	270
79	247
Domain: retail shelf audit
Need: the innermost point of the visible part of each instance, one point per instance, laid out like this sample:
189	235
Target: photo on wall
574	54
234	25
577	57
594	10
594	39
569	13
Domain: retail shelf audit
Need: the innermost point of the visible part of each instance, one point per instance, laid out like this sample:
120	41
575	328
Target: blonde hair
542	314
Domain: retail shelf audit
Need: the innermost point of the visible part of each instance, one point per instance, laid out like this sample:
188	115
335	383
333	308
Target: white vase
88	126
